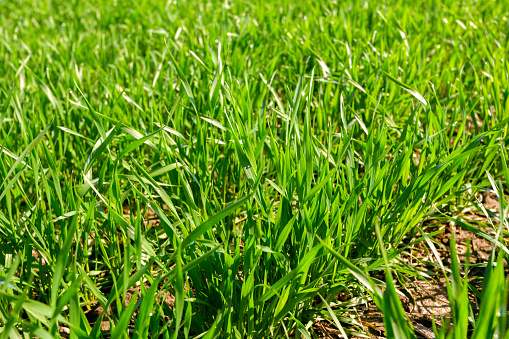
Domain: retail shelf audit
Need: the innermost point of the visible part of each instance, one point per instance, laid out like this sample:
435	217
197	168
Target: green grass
252	159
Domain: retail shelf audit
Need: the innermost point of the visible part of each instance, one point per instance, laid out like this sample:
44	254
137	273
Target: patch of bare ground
431	300
97	312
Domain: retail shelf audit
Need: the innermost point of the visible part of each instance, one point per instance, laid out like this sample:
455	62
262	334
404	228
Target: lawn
253	169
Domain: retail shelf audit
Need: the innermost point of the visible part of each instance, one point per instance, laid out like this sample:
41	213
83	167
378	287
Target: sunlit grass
253	160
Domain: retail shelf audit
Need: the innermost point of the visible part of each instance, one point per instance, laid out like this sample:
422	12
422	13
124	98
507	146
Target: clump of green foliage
252	160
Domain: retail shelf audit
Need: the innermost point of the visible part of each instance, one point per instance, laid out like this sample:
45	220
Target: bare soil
431	302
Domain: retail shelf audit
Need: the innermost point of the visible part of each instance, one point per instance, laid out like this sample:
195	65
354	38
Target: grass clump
239	165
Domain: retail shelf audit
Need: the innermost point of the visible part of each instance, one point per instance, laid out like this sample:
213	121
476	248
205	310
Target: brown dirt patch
430	297
94	314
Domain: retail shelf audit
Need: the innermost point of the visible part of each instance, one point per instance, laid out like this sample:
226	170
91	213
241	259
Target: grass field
248	169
